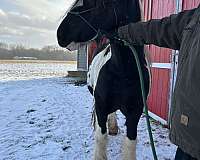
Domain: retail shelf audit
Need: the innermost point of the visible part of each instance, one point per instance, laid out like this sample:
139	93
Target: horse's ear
79	3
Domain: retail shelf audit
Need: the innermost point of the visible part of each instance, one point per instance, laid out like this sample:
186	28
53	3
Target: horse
113	78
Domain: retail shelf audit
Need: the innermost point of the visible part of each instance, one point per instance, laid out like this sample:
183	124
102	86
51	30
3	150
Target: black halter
103	5
79	14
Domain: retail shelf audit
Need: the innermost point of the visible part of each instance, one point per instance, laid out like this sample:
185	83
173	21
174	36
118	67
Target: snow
23	70
49	118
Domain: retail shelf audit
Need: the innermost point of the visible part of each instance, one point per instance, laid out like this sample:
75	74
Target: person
179	32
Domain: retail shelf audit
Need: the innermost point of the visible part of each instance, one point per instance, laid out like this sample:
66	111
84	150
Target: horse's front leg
100	136
129	145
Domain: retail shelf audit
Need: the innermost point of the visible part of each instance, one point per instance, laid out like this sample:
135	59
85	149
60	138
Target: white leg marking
100	144
129	149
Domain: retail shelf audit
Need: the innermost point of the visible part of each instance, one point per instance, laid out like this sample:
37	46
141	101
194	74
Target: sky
32	23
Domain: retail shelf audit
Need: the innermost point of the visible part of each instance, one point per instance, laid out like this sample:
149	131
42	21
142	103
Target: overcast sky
31	22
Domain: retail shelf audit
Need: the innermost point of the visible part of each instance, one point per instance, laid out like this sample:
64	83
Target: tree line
49	52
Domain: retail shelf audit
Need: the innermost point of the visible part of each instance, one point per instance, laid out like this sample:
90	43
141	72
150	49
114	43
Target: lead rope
143	95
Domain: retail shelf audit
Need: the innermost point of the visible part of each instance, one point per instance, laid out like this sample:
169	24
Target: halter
79	14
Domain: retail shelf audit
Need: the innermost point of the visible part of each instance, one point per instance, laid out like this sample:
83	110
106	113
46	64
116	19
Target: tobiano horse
113	77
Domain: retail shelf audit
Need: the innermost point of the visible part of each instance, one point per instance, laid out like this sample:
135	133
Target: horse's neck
123	58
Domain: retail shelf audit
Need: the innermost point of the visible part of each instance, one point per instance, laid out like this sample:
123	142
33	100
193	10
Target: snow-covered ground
29	69
50	119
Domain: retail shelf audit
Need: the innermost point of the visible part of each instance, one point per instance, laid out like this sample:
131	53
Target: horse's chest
97	64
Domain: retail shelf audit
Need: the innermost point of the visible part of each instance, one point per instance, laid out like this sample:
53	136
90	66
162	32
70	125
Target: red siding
158	99
189	4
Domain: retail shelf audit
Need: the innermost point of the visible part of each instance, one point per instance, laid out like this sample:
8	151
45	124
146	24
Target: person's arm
166	32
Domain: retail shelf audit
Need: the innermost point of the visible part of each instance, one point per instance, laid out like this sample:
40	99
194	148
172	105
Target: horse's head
87	17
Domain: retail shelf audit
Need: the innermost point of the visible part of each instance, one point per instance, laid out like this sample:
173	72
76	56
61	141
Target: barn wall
189	4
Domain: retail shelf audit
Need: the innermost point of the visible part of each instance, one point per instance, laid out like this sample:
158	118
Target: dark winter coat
180	32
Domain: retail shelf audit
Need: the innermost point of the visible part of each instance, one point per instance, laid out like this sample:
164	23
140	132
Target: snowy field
50	119
29	69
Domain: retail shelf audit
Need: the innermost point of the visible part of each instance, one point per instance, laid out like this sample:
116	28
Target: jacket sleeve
165	32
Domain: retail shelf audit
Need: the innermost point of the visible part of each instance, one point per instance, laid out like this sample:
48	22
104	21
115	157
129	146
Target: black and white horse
113	76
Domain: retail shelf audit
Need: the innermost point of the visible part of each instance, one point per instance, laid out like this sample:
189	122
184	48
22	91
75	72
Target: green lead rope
143	96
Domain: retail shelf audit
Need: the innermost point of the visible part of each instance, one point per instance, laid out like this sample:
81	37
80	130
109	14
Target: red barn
164	61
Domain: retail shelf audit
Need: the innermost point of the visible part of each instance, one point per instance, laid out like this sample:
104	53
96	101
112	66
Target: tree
49	52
